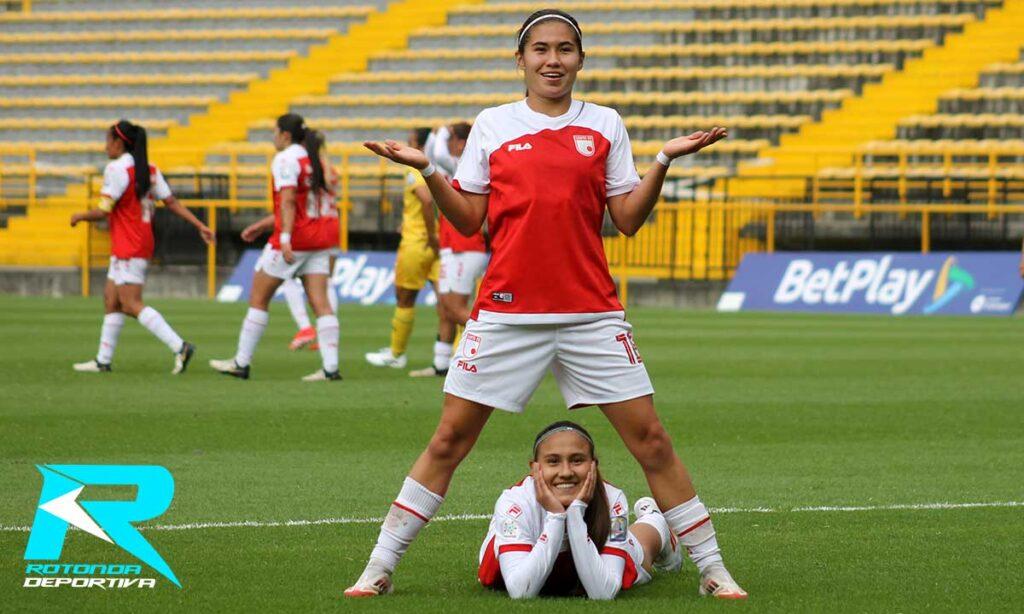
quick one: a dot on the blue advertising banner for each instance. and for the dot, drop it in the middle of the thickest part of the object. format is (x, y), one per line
(364, 278)
(965, 283)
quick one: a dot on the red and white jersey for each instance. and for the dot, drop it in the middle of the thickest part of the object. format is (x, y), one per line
(549, 179)
(452, 239)
(131, 219)
(518, 526)
(312, 229)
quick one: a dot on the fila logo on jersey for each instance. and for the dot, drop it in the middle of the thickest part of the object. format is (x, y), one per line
(515, 511)
(585, 144)
(520, 147)
(617, 508)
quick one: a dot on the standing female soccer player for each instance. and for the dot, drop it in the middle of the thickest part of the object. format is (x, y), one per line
(563, 530)
(305, 229)
(416, 262)
(127, 198)
(543, 171)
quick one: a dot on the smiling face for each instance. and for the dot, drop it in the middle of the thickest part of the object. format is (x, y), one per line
(550, 59)
(564, 460)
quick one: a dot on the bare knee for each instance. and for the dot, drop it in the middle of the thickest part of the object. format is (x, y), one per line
(652, 447)
(448, 446)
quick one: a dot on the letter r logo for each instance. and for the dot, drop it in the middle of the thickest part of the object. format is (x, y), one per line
(110, 521)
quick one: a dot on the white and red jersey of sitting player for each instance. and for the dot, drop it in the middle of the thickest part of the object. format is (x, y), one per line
(563, 530)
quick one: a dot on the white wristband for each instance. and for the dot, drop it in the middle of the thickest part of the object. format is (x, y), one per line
(285, 238)
(663, 159)
(427, 172)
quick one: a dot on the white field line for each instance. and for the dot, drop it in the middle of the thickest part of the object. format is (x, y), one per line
(469, 517)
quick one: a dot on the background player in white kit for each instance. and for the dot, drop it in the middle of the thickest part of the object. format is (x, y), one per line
(563, 530)
(543, 171)
(305, 229)
(128, 199)
(463, 259)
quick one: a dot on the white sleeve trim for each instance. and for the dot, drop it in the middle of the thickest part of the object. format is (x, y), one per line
(625, 188)
(601, 576)
(525, 573)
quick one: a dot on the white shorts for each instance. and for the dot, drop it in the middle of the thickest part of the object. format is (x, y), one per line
(635, 552)
(271, 262)
(460, 270)
(501, 365)
(127, 270)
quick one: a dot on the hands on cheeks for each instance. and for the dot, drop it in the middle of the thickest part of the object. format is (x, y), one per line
(587, 491)
(545, 495)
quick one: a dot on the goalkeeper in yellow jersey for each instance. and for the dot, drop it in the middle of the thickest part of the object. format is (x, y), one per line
(417, 261)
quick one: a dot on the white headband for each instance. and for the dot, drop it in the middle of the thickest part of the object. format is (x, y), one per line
(544, 17)
(561, 429)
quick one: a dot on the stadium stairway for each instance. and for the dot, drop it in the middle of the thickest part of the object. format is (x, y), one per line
(877, 112)
(43, 238)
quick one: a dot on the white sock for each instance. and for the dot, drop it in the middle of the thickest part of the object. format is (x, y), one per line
(442, 355)
(657, 521)
(327, 338)
(691, 523)
(332, 297)
(296, 299)
(253, 325)
(410, 512)
(156, 324)
(112, 323)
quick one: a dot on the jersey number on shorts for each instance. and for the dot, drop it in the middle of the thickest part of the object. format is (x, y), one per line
(626, 339)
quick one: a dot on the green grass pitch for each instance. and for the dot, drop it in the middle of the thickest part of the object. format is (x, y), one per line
(768, 411)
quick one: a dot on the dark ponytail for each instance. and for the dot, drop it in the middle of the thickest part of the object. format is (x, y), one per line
(134, 138)
(313, 143)
(597, 516)
(422, 134)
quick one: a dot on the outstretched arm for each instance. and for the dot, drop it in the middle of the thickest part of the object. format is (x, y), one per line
(466, 211)
(629, 211)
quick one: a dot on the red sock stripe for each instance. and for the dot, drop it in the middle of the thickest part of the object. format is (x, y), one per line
(706, 519)
(411, 511)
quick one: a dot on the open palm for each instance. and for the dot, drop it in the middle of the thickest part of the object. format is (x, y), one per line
(683, 145)
(397, 152)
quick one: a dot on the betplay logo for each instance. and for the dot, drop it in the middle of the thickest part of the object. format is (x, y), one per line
(111, 521)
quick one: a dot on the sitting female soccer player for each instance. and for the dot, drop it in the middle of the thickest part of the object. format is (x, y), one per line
(563, 530)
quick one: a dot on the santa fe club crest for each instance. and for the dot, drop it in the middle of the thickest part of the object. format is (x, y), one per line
(585, 144)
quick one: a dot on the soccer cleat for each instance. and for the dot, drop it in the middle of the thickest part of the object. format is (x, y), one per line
(302, 338)
(229, 367)
(428, 372)
(322, 376)
(717, 582)
(374, 582)
(91, 366)
(669, 559)
(183, 357)
(384, 358)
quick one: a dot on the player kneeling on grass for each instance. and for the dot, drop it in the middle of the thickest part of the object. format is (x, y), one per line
(127, 199)
(562, 531)
(305, 229)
